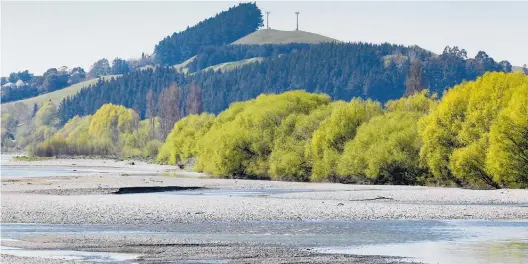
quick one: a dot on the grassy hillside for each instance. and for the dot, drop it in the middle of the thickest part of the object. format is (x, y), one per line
(272, 36)
(229, 66)
(182, 67)
(58, 95)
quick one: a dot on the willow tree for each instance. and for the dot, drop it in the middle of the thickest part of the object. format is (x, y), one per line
(507, 157)
(456, 134)
(386, 148)
(328, 141)
(241, 140)
(182, 142)
(111, 120)
(290, 159)
(112, 130)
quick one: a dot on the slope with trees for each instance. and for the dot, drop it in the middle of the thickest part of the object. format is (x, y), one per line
(214, 55)
(21, 85)
(224, 28)
(342, 70)
(130, 90)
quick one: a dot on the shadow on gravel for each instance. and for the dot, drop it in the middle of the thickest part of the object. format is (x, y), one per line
(153, 189)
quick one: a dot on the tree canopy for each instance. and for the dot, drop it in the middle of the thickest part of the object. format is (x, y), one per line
(475, 128)
(112, 130)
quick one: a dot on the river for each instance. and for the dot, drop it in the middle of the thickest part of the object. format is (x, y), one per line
(429, 241)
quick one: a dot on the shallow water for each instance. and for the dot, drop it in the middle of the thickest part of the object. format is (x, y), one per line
(291, 233)
(15, 172)
(460, 241)
(20, 171)
(476, 242)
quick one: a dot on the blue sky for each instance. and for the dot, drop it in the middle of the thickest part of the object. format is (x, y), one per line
(40, 35)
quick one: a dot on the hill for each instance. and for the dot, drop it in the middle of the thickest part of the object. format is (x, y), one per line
(57, 96)
(224, 28)
(272, 36)
(218, 55)
(232, 65)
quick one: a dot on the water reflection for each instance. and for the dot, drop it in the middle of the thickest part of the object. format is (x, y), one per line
(482, 242)
(511, 252)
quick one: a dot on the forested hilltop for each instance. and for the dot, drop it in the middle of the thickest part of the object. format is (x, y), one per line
(341, 70)
(473, 136)
(226, 27)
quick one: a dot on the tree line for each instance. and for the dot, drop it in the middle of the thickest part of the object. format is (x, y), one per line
(130, 90)
(342, 70)
(213, 55)
(112, 130)
(22, 85)
(474, 136)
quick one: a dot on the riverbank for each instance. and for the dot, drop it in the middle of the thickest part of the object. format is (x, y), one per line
(92, 199)
(89, 166)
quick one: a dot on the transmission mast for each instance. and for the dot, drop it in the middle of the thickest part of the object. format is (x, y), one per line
(267, 19)
(297, 13)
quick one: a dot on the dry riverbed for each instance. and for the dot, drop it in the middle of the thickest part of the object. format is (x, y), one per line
(108, 192)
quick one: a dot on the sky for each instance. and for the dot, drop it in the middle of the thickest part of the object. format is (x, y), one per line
(41, 35)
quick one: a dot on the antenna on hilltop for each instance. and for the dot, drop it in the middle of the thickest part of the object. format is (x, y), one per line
(267, 19)
(297, 13)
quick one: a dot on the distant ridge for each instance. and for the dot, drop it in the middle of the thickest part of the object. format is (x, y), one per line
(517, 69)
(272, 36)
(57, 96)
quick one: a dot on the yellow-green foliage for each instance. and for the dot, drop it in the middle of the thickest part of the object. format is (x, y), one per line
(181, 143)
(507, 158)
(289, 158)
(42, 126)
(328, 141)
(142, 141)
(112, 130)
(386, 150)
(46, 115)
(241, 139)
(110, 120)
(420, 102)
(74, 134)
(456, 134)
